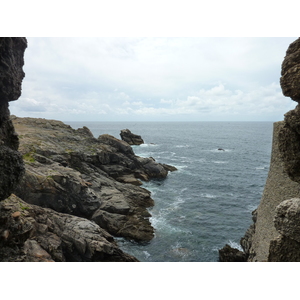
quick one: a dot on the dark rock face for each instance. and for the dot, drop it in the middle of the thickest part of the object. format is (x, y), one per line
(290, 72)
(130, 138)
(72, 177)
(289, 136)
(274, 235)
(11, 75)
(72, 172)
(11, 63)
(29, 232)
(34, 234)
(229, 254)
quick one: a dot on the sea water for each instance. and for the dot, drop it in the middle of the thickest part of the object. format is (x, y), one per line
(208, 201)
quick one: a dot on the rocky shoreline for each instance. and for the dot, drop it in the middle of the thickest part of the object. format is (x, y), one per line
(71, 172)
(64, 194)
(274, 234)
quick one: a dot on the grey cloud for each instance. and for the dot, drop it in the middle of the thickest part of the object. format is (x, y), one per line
(86, 78)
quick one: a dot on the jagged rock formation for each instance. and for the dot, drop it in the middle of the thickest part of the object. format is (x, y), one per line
(72, 172)
(229, 254)
(290, 72)
(70, 180)
(131, 138)
(38, 234)
(278, 188)
(11, 75)
(286, 246)
(274, 235)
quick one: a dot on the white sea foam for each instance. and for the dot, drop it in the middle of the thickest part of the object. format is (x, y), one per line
(219, 162)
(251, 208)
(180, 168)
(206, 195)
(147, 254)
(148, 145)
(260, 168)
(235, 245)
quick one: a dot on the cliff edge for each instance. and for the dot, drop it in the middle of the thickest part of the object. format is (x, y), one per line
(63, 193)
(274, 235)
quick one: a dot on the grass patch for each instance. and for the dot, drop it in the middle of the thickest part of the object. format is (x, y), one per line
(23, 207)
(28, 157)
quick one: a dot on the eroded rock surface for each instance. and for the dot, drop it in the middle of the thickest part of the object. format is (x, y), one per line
(274, 236)
(290, 72)
(286, 246)
(11, 75)
(131, 138)
(35, 234)
(72, 172)
(229, 254)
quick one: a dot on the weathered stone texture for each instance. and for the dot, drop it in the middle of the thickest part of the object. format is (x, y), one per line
(35, 234)
(131, 138)
(72, 172)
(290, 72)
(287, 218)
(229, 254)
(11, 63)
(11, 75)
(279, 187)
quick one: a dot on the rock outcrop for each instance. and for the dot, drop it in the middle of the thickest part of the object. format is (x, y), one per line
(286, 246)
(275, 233)
(279, 187)
(11, 75)
(131, 138)
(72, 177)
(229, 254)
(36, 234)
(72, 172)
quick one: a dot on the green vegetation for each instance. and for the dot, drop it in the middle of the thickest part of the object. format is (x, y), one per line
(23, 207)
(28, 157)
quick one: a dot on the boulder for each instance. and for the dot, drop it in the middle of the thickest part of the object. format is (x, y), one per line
(287, 216)
(229, 254)
(289, 136)
(290, 72)
(131, 138)
(286, 246)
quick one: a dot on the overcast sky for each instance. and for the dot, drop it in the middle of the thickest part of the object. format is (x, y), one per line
(154, 79)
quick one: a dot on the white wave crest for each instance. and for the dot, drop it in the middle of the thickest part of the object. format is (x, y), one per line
(206, 195)
(235, 245)
(148, 145)
(260, 168)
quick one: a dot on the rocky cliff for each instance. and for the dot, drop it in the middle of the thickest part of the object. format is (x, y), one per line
(11, 76)
(72, 172)
(274, 234)
(71, 192)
